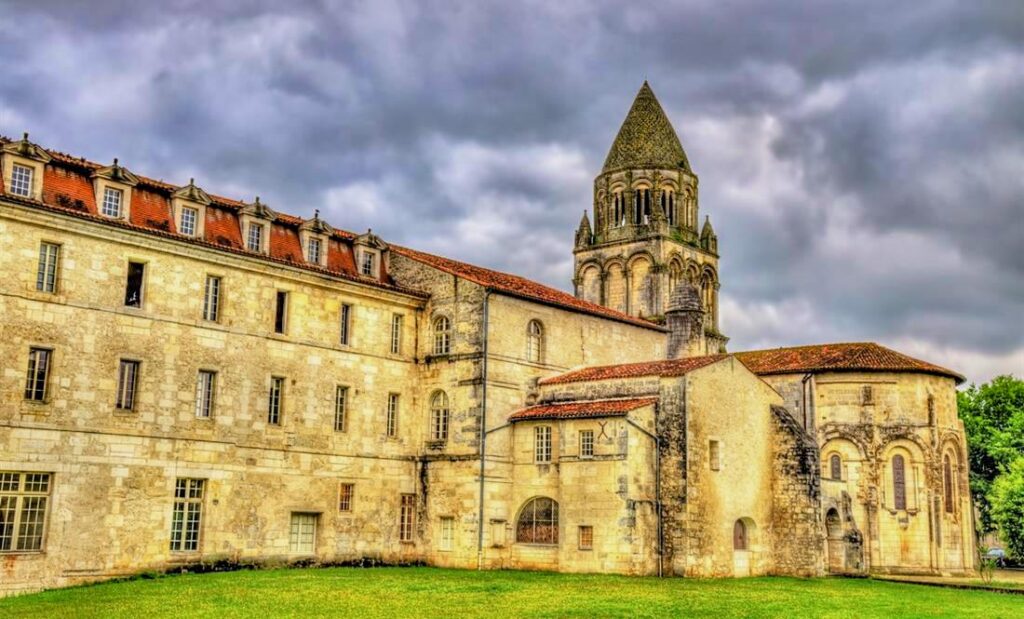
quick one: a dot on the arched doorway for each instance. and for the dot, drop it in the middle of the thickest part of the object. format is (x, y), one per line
(743, 533)
(836, 550)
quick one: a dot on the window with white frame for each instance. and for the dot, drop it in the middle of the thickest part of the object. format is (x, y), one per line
(586, 443)
(442, 335)
(275, 401)
(439, 416)
(205, 388)
(396, 334)
(340, 408)
(127, 382)
(254, 239)
(302, 534)
(211, 299)
(542, 444)
(534, 341)
(187, 516)
(113, 199)
(24, 505)
(447, 533)
(346, 324)
(189, 221)
(314, 250)
(407, 517)
(46, 274)
(21, 180)
(368, 263)
(392, 415)
(38, 378)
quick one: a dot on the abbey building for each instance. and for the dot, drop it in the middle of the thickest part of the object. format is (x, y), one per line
(189, 378)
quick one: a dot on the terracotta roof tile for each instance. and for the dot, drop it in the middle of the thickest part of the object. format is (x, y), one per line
(151, 210)
(516, 286)
(581, 409)
(666, 367)
(846, 357)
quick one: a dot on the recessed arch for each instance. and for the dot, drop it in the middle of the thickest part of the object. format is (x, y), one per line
(537, 522)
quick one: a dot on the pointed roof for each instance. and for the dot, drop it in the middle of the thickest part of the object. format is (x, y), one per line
(707, 230)
(646, 138)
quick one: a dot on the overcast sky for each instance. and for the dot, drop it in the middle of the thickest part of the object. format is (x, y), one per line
(862, 162)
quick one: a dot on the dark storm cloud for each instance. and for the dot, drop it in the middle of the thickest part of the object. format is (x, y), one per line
(862, 162)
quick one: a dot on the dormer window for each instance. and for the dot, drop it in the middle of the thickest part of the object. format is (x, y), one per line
(21, 180)
(23, 164)
(368, 265)
(371, 255)
(189, 208)
(113, 186)
(112, 200)
(254, 241)
(189, 217)
(314, 250)
(256, 219)
(314, 235)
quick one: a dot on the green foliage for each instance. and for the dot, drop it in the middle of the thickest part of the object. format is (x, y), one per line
(993, 415)
(1007, 502)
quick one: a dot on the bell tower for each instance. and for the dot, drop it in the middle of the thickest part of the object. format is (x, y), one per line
(642, 240)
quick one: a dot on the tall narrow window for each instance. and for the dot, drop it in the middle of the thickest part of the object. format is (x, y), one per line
(367, 264)
(302, 534)
(38, 374)
(439, 416)
(534, 342)
(586, 537)
(127, 381)
(586, 443)
(276, 400)
(740, 541)
(392, 415)
(340, 409)
(189, 220)
(947, 483)
(835, 464)
(867, 395)
(133, 284)
(447, 533)
(442, 335)
(211, 299)
(205, 387)
(254, 240)
(46, 275)
(112, 200)
(346, 324)
(314, 250)
(21, 181)
(714, 455)
(281, 312)
(899, 482)
(396, 334)
(24, 503)
(346, 492)
(406, 517)
(186, 521)
(542, 444)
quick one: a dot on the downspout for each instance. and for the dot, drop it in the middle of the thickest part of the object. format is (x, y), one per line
(803, 404)
(483, 438)
(657, 492)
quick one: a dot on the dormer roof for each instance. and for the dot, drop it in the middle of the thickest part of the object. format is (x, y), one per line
(259, 210)
(316, 225)
(117, 173)
(369, 239)
(192, 193)
(24, 148)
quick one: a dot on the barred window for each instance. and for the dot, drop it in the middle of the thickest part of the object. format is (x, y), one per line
(534, 342)
(439, 416)
(396, 334)
(447, 533)
(127, 381)
(21, 180)
(392, 415)
(586, 443)
(211, 299)
(38, 374)
(542, 444)
(24, 505)
(302, 535)
(276, 397)
(586, 537)
(112, 199)
(442, 335)
(346, 324)
(345, 493)
(899, 482)
(46, 275)
(538, 522)
(406, 517)
(835, 464)
(189, 219)
(341, 409)
(254, 240)
(186, 519)
(205, 388)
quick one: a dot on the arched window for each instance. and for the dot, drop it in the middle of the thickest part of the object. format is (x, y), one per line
(641, 206)
(899, 482)
(439, 416)
(618, 209)
(739, 536)
(442, 335)
(538, 522)
(835, 467)
(534, 341)
(947, 483)
(675, 275)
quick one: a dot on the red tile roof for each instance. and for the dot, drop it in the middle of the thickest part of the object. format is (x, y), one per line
(853, 357)
(668, 367)
(581, 409)
(516, 286)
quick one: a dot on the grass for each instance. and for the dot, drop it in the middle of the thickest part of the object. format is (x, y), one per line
(432, 592)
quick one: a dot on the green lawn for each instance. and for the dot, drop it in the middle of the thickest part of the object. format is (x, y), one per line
(430, 592)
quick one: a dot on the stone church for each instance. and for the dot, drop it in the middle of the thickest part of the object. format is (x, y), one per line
(188, 378)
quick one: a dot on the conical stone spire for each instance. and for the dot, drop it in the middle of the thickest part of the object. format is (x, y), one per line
(646, 138)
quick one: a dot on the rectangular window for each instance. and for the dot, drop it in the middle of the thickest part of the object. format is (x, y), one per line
(586, 537)
(392, 419)
(367, 263)
(447, 533)
(396, 334)
(38, 374)
(127, 381)
(345, 494)
(346, 323)
(714, 455)
(205, 387)
(46, 276)
(302, 536)
(406, 517)
(586, 443)
(340, 409)
(276, 397)
(281, 312)
(187, 517)
(112, 199)
(211, 299)
(314, 250)
(867, 395)
(189, 219)
(24, 500)
(134, 283)
(21, 181)
(254, 240)
(542, 443)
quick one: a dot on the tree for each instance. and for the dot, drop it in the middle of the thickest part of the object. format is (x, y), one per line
(993, 415)
(1007, 503)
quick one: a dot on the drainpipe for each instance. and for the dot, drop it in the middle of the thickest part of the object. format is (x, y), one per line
(657, 492)
(803, 403)
(483, 438)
